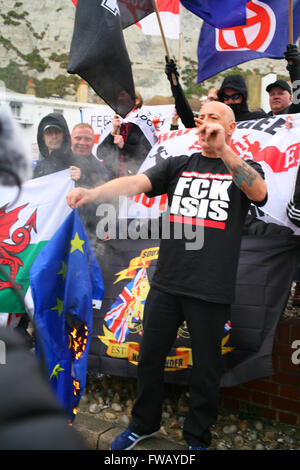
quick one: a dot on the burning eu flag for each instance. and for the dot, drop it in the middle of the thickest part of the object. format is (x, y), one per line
(65, 281)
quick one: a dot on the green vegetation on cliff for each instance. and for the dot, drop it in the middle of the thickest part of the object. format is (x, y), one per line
(16, 79)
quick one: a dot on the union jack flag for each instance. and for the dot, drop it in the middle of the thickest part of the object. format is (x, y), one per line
(122, 309)
(227, 326)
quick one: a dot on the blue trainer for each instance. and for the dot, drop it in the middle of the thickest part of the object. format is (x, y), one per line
(197, 448)
(128, 439)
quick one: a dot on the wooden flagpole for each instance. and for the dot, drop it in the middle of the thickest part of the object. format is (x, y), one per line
(161, 29)
(179, 52)
(163, 39)
(291, 38)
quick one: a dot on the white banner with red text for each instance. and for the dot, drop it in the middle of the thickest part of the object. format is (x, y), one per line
(266, 141)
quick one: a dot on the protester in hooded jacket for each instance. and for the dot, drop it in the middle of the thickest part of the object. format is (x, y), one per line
(234, 93)
(54, 142)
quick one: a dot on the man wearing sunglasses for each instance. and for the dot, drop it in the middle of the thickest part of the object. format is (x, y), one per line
(234, 93)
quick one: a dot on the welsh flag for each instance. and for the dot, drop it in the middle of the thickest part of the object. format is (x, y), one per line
(25, 228)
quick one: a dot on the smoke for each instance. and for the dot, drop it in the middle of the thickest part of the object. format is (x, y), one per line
(15, 159)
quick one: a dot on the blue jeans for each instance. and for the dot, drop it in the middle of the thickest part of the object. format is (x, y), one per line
(163, 314)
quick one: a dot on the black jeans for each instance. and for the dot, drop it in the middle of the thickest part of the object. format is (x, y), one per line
(163, 314)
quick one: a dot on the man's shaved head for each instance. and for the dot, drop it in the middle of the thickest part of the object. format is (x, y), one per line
(215, 112)
(220, 108)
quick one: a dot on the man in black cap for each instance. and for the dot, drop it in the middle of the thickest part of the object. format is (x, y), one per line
(53, 136)
(54, 142)
(282, 98)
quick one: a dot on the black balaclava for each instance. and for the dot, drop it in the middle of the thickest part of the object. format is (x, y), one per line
(237, 83)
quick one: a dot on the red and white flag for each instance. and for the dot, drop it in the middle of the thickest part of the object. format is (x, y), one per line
(169, 17)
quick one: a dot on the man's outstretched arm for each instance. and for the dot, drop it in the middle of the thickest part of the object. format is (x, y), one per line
(125, 186)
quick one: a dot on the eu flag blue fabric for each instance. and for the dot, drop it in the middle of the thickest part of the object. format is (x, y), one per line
(229, 13)
(65, 281)
(266, 34)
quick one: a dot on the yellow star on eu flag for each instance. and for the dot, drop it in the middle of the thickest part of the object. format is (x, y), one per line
(63, 270)
(76, 244)
(59, 306)
(57, 369)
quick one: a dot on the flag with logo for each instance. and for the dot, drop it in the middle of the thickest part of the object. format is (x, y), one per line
(230, 13)
(66, 281)
(140, 119)
(100, 118)
(170, 20)
(98, 51)
(25, 228)
(265, 34)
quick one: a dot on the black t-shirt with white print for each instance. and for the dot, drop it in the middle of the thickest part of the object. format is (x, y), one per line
(202, 197)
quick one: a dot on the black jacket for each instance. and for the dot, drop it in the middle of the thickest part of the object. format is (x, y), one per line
(291, 109)
(241, 110)
(59, 159)
(182, 105)
(135, 150)
(93, 171)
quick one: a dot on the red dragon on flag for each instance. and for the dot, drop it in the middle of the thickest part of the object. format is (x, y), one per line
(20, 239)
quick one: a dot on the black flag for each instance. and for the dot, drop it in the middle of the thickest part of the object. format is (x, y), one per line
(98, 52)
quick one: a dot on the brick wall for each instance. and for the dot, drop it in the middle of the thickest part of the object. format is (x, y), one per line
(276, 397)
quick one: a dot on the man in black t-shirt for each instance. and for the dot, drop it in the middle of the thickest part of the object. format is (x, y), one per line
(211, 190)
